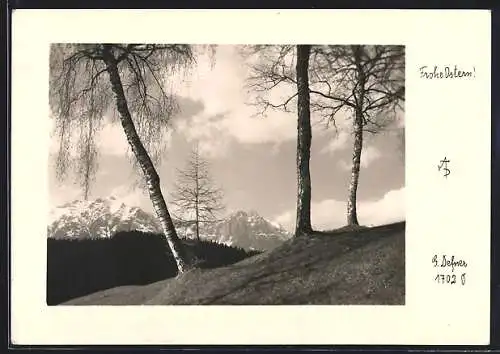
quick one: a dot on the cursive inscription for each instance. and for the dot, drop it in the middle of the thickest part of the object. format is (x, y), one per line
(446, 72)
(445, 261)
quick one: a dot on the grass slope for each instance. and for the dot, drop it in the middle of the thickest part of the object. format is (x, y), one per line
(79, 267)
(362, 267)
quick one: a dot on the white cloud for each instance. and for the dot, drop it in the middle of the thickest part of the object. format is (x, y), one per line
(275, 127)
(400, 120)
(340, 137)
(134, 197)
(343, 140)
(61, 194)
(215, 132)
(131, 196)
(218, 87)
(213, 148)
(111, 140)
(337, 142)
(330, 214)
(368, 155)
(207, 131)
(245, 127)
(227, 116)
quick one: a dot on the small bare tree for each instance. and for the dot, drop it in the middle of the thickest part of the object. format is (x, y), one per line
(88, 79)
(196, 198)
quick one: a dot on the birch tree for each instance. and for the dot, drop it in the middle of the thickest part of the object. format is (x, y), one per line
(195, 196)
(366, 82)
(89, 80)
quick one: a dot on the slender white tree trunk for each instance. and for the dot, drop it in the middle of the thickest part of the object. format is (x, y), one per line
(150, 174)
(358, 124)
(352, 215)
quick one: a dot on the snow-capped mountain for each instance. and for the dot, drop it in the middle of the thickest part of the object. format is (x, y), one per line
(98, 218)
(243, 229)
(104, 217)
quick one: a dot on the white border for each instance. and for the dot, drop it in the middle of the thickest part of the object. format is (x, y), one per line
(442, 117)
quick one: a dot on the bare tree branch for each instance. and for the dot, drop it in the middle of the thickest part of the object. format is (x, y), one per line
(78, 92)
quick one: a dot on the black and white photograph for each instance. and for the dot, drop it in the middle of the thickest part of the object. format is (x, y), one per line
(271, 177)
(199, 174)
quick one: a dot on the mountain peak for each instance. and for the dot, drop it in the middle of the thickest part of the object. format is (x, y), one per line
(248, 229)
(245, 213)
(98, 218)
(103, 217)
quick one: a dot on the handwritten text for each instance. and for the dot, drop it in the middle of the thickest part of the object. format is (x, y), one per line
(446, 72)
(445, 261)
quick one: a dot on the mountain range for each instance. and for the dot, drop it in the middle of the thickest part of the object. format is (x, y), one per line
(102, 218)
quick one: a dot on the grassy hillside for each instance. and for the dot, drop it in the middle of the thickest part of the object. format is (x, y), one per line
(365, 266)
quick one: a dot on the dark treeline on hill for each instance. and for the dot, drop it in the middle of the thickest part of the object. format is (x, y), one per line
(77, 267)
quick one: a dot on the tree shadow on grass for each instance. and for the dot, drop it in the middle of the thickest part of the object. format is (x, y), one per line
(297, 273)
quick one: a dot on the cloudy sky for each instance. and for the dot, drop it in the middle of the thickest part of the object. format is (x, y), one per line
(252, 157)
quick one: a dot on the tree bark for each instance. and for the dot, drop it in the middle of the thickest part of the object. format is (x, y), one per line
(304, 137)
(152, 178)
(197, 201)
(352, 214)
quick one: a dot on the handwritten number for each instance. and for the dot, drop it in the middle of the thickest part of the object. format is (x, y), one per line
(449, 264)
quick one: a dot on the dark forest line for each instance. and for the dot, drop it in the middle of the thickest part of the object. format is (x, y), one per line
(77, 267)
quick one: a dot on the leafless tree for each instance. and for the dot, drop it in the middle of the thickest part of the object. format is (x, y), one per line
(86, 80)
(304, 137)
(362, 82)
(195, 196)
(367, 82)
(276, 66)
